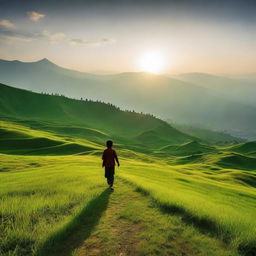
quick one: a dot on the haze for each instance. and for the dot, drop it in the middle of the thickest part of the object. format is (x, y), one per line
(109, 36)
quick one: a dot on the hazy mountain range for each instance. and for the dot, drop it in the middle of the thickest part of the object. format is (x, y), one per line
(216, 102)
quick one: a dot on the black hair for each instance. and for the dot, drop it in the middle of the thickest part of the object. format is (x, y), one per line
(109, 143)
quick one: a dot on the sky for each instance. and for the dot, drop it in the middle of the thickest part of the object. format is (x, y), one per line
(115, 36)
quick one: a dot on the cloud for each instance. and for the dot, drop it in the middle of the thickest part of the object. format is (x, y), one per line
(53, 37)
(28, 37)
(6, 24)
(103, 41)
(35, 16)
(16, 36)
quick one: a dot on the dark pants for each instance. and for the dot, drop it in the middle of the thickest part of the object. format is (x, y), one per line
(109, 174)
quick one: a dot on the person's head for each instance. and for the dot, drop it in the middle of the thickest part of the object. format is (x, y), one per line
(109, 144)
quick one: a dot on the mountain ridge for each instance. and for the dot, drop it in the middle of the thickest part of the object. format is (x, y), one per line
(183, 102)
(20, 104)
(46, 60)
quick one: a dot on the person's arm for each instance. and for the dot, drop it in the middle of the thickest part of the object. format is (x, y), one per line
(116, 158)
(103, 159)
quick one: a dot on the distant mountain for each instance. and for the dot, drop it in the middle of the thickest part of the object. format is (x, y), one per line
(249, 77)
(186, 99)
(238, 88)
(90, 120)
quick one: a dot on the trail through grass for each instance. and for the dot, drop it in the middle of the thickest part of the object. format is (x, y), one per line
(46, 200)
(217, 205)
(133, 225)
(44, 196)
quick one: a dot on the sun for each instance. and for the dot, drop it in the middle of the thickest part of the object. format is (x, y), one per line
(152, 62)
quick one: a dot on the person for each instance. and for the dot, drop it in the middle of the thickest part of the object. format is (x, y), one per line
(109, 157)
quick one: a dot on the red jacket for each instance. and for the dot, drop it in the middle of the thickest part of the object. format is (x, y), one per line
(109, 156)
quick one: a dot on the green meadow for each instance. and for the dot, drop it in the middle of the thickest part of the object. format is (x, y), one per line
(176, 194)
(40, 195)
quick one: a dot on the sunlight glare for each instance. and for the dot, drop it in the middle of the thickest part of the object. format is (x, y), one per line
(152, 62)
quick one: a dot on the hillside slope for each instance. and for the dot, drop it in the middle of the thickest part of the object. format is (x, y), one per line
(189, 148)
(211, 136)
(52, 181)
(193, 101)
(87, 118)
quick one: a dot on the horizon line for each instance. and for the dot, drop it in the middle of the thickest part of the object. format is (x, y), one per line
(106, 73)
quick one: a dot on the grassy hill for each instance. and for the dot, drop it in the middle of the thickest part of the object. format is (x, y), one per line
(244, 148)
(212, 137)
(52, 184)
(189, 148)
(175, 195)
(237, 161)
(190, 99)
(17, 139)
(86, 119)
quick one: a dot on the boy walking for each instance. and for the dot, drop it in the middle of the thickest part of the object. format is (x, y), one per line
(109, 158)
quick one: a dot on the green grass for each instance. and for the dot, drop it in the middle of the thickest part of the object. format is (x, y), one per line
(40, 196)
(52, 181)
(86, 117)
(44, 200)
(213, 137)
(210, 199)
(186, 149)
(243, 148)
(148, 230)
(20, 139)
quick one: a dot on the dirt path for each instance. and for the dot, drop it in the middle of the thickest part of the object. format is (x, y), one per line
(132, 225)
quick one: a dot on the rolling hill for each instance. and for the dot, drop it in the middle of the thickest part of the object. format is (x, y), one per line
(52, 182)
(211, 136)
(244, 148)
(94, 121)
(190, 148)
(210, 102)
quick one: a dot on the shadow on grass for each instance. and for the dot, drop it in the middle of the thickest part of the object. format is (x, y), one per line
(203, 224)
(63, 242)
(209, 227)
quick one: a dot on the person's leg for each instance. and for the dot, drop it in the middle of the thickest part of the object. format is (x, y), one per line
(107, 175)
(111, 180)
(112, 176)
